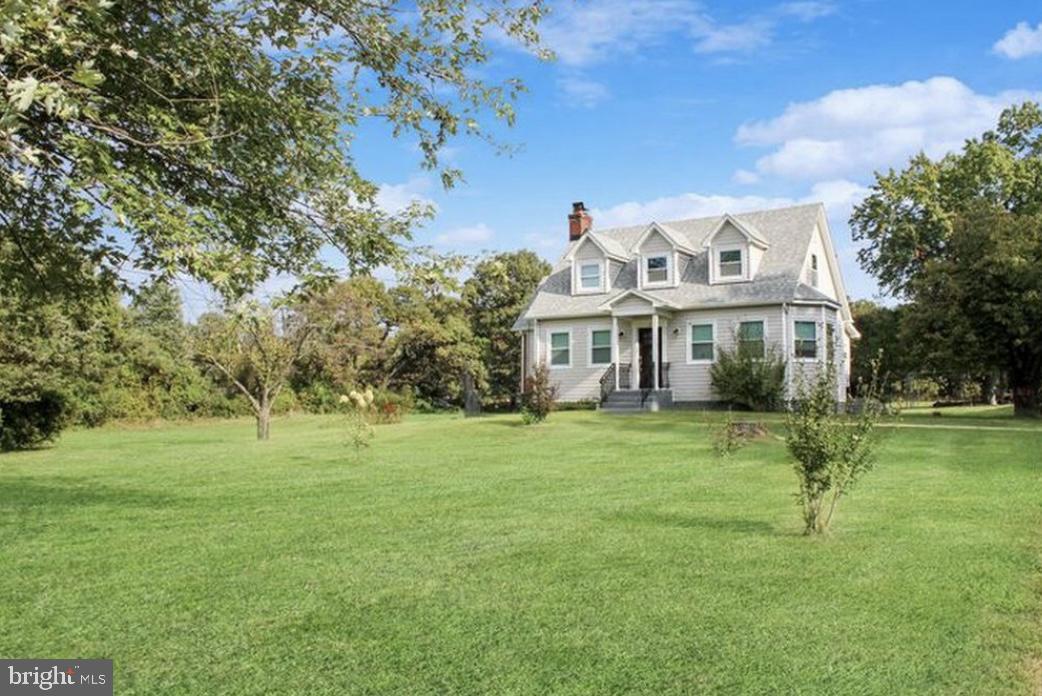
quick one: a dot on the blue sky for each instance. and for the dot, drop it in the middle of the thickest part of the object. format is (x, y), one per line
(665, 109)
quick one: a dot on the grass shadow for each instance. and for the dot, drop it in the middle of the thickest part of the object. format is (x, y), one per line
(25, 493)
(722, 524)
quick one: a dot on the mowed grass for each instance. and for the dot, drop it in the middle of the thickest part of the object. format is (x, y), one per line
(591, 554)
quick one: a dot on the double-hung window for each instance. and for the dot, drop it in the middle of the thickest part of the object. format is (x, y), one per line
(656, 269)
(751, 338)
(806, 336)
(590, 276)
(730, 263)
(702, 343)
(600, 347)
(560, 349)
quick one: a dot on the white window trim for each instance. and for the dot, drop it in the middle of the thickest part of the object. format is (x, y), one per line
(817, 339)
(589, 346)
(715, 263)
(670, 270)
(747, 320)
(687, 340)
(550, 349)
(577, 276)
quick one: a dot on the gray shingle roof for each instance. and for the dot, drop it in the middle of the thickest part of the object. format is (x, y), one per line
(787, 231)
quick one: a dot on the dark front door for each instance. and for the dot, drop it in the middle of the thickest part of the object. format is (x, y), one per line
(644, 340)
(647, 379)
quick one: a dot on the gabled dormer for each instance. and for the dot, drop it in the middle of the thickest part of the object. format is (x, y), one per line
(591, 256)
(659, 252)
(734, 250)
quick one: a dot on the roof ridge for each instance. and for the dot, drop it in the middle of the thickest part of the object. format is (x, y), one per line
(703, 218)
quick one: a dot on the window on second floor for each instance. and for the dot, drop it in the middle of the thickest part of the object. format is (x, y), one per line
(590, 276)
(814, 270)
(731, 264)
(656, 269)
(751, 338)
(806, 340)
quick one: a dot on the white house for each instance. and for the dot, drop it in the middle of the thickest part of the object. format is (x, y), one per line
(645, 310)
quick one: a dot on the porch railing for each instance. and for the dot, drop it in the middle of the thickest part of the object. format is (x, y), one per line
(608, 379)
(607, 382)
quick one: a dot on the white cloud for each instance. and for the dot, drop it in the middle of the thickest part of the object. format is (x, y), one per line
(589, 32)
(462, 236)
(733, 38)
(1020, 41)
(807, 11)
(851, 132)
(586, 33)
(581, 91)
(394, 198)
(744, 176)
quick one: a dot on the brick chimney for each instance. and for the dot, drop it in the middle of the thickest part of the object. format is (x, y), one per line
(579, 221)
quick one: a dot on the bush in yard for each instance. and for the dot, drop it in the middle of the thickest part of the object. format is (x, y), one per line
(360, 413)
(832, 449)
(539, 398)
(752, 380)
(25, 424)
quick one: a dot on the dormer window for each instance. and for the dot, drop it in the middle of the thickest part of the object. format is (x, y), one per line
(590, 276)
(656, 269)
(731, 265)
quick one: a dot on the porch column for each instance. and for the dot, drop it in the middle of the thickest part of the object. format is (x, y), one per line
(615, 348)
(634, 357)
(535, 343)
(524, 365)
(654, 351)
(665, 340)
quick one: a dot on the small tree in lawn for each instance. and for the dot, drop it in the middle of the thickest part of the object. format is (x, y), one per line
(832, 450)
(540, 396)
(254, 348)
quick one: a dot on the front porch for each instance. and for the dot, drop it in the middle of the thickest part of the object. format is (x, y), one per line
(638, 378)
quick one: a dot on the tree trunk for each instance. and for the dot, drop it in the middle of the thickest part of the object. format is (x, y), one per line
(1025, 380)
(264, 420)
(471, 399)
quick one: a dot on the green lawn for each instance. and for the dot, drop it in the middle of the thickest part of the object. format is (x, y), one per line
(593, 554)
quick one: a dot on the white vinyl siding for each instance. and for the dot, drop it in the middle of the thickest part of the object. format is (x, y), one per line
(692, 381)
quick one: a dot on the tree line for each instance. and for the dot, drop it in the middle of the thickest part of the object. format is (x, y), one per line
(415, 342)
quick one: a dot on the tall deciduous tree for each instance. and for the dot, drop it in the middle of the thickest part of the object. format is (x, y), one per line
(254, 348)
(496, 294)
(213, 138)
(957, 238)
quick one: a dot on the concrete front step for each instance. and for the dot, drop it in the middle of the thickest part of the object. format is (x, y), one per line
(630, 401)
